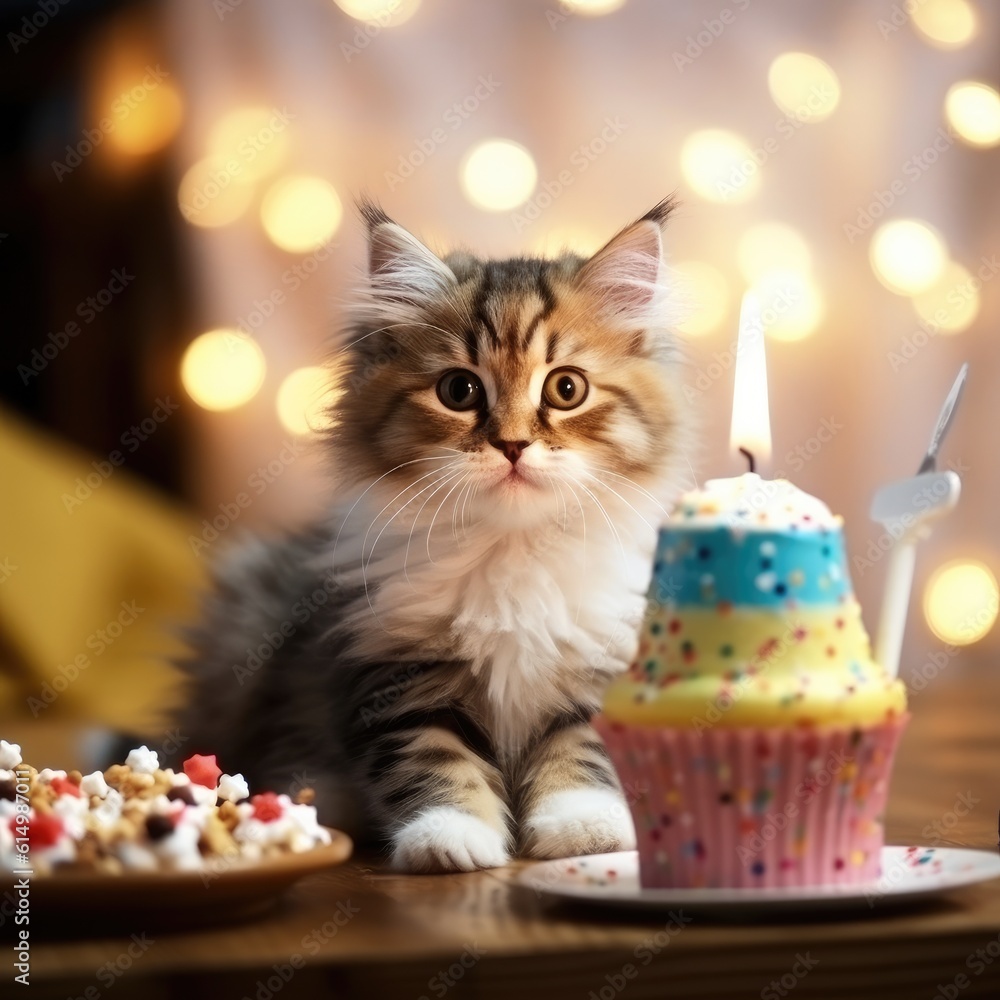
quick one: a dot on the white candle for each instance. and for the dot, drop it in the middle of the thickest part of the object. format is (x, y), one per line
(751, 425)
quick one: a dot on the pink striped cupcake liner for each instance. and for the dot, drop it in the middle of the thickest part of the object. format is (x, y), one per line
(755, 808)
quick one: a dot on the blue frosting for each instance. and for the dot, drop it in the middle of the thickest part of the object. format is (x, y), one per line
(703, 566)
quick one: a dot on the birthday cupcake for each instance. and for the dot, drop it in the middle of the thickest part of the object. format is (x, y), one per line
(754, 734)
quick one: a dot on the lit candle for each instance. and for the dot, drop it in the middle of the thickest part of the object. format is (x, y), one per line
(750, 431)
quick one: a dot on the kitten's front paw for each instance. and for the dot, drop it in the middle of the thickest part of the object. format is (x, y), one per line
(445, 839)
(579, 821)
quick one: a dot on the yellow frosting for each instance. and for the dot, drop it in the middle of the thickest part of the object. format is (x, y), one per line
(754, 667)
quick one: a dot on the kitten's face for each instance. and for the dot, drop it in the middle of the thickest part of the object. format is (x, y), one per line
(522, 384)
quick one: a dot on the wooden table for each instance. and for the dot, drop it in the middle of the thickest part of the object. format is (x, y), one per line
(476, 935)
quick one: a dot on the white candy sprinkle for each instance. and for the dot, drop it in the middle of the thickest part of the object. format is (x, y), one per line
(142, 760)
(233, 787)
(767, 548)
(766, 581)
(10, 754)
(46, 774)
(94, 784)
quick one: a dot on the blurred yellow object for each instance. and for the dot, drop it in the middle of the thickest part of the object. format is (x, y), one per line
(96, 573)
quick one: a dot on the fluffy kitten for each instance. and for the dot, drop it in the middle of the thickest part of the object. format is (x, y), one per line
(506, 437)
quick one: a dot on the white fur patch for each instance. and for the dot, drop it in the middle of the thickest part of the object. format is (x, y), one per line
(579, 821)
(445, 839)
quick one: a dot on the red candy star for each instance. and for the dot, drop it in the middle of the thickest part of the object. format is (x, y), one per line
(266, 807)
(64, 786)
(44, 829)
(202, 770)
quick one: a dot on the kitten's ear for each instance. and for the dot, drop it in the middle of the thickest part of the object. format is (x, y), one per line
(624, 275)
(400, 267)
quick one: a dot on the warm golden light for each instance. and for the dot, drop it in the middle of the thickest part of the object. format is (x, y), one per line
(255, 139)
(145, 118)
(973, 111)
(803, 86)
(556, 241)
(907, 256)
(592, 8)
(720, 166)
(704, 295)
(209, 195)
(300, 214)
(946, 24)
(951, 304)
(791, 305)
(303, 400)
(771, 246)
(751, 424)
(960, 602)
(386, 13)
(498, 175)
(223, 369)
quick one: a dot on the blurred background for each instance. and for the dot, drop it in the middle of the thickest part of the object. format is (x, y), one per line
(178, 242)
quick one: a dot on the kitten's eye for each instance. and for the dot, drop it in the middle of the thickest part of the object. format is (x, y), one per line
(459, 389)
(565, 389)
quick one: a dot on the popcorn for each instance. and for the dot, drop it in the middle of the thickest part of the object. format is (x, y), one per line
(233, 788)
(10, 755)
(140, 817)
(142, 760)
(94, 784)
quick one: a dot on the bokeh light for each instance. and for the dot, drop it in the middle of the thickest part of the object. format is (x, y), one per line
(960, 602)
(386, 13)
(556, 241)
(771, 246)
(907, 256)
(719, 165)
(592, 8)
(498, 175)
(946, 24)
(703, 293)
(209, 195)
(791, 305)
(256, 138)
(223, 369)
(951, 304)
(145, 117)
(304, 398)
(301, 213)
(803, 86)
(973, 111)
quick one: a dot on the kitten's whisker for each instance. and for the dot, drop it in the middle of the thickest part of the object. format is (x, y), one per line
(632, 484)
(371, 486)
(393, 326)
(607, 518)
(446, 470)
(583, 543)
(434, 518)
(620, 497)
(416, 519)
(459, 500)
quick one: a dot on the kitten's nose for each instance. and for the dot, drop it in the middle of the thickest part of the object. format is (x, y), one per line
(511, 449)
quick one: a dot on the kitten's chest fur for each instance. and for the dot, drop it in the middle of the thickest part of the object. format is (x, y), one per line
(539, 620)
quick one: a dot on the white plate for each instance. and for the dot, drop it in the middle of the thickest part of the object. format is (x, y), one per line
(909, 874)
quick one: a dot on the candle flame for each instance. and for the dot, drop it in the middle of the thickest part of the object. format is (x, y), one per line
(751, 425)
